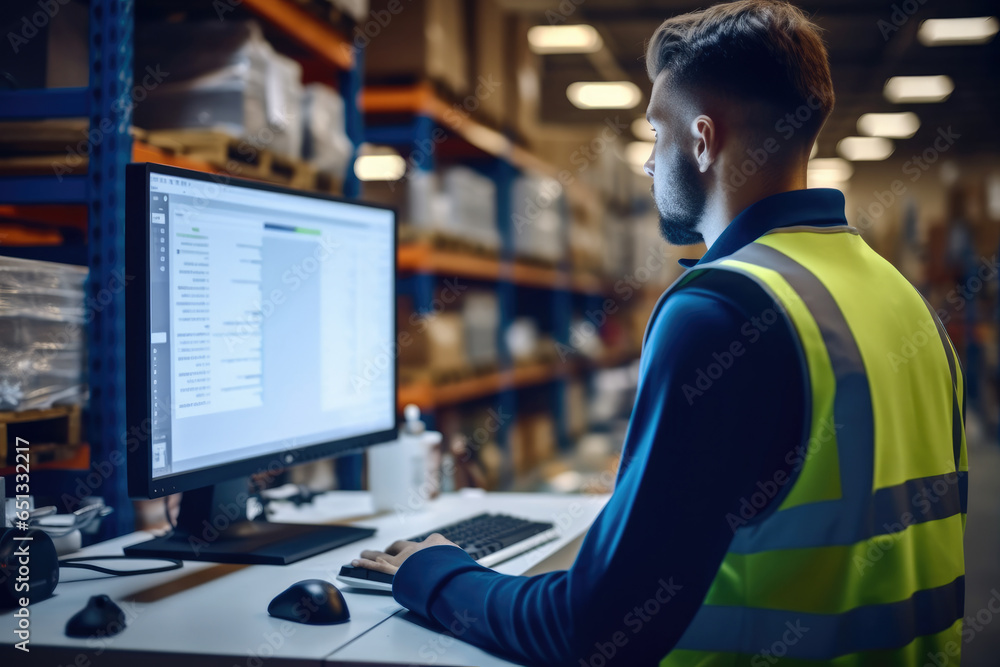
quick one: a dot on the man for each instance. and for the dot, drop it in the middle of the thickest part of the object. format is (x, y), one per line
(793, 481)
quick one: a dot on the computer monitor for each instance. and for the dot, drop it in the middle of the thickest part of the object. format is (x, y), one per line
(260, 329)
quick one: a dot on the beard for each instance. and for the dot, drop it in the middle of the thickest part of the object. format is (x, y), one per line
(682, 205)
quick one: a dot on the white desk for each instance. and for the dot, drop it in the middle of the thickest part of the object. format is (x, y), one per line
(223, 621)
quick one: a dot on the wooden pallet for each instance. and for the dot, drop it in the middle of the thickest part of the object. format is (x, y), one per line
(438, 377)
(48, 147)
(446, 241)
(60, 424)
(235, 156)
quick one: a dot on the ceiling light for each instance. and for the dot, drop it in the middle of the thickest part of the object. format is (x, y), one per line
(828, 172)
(637, 153)
(857, 149)
(379, 167)
(604, 94)
(893, 125)
(902, 89)
(564, 39)
(643, 130)
(949, 32)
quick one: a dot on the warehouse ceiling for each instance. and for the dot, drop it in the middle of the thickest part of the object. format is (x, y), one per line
(866, 48)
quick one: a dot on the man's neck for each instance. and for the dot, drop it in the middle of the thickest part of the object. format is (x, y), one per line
(723, 206)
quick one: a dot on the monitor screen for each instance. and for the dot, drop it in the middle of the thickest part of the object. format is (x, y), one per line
(270, 315)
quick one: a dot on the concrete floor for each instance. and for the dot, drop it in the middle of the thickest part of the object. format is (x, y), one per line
(982, 548)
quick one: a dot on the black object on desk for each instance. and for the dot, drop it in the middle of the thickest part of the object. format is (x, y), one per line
(312, 601)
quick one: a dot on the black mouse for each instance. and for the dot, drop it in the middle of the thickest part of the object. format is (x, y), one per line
(100, 618)
(312, 601)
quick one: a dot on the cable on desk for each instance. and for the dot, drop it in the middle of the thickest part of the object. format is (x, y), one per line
(82, 564)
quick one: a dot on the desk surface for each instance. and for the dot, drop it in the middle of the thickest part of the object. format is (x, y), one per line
(209, 614)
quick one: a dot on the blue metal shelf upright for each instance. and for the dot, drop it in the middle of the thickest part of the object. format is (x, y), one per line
(417, 132)
(107, 102)
(102, 190)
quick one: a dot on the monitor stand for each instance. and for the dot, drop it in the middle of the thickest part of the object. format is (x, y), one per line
(213, 526)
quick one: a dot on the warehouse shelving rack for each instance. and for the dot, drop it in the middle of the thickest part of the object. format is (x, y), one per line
(105, 102)
(416, 112)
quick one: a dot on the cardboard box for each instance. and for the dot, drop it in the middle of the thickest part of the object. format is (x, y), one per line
(413, 41)
(491, 63)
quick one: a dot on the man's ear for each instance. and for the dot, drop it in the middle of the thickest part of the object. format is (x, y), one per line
(706, 141)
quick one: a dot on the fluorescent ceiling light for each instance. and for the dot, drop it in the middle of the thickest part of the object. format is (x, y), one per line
(828, 170)
(949, 32)
(379, 167)
(604, 94)
(637, 152)
(893, 125)
(858, 149)
(564, 39)
(902, 89)
(643, 130)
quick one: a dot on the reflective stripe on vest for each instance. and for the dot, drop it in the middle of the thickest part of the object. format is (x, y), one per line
(862, 560)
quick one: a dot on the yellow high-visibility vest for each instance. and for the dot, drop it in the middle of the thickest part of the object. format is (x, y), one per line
(861, 561)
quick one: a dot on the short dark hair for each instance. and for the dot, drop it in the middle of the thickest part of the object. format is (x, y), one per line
(764, 51)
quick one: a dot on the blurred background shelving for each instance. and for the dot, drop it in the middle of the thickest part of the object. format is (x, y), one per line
(529, 255)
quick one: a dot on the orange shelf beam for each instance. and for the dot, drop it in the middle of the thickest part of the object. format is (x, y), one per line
(538, 276)
(428, 396)
(423, 257)
(143, 152)
(317, 36)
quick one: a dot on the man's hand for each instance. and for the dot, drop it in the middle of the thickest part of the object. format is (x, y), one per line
(388, 561)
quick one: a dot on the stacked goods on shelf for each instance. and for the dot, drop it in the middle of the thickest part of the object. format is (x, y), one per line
(577, 420)
(491, 60)
(325, 144)
(539, 223)
(522, 340)
(481, 315)
(235, 83)
(42, 357)
(586, 235)
(429, 43)
(47, 49)
(471, 201)
(456, 208)
(356, 9)
(532, 441)
(617, 245)
(432, 346)
(41, 334)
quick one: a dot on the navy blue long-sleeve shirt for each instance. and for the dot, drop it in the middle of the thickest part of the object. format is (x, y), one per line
(718, 414)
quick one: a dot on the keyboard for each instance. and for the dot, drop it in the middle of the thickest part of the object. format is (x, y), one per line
(489, 538)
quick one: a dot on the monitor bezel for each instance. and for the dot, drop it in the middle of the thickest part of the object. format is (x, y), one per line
(138, 386)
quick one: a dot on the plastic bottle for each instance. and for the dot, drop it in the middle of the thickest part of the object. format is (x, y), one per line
(399, 474)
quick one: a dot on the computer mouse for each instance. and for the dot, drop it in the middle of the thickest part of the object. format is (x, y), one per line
(100, 618)
(312, 601)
